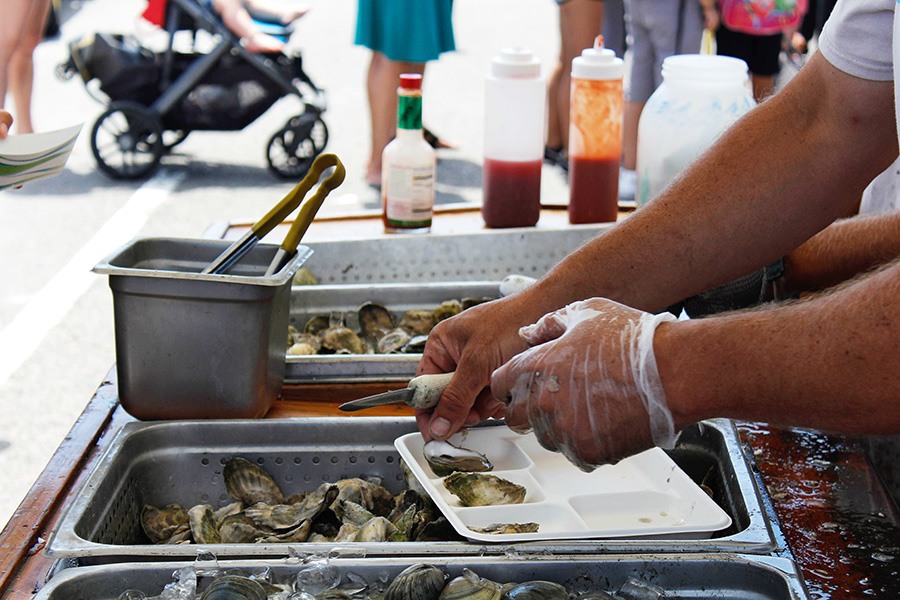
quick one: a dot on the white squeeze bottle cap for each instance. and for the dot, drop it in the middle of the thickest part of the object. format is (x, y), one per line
(515, 63)
(598, 63)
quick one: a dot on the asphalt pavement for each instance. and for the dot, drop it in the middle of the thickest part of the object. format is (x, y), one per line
(56, 323)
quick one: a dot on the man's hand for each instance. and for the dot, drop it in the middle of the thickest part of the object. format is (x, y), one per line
(6, 122)
(473, 343)
(589, 386)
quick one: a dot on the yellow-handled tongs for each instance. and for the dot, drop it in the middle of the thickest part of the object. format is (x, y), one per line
(279, 213)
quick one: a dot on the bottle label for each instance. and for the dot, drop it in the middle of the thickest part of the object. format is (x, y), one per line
(409, 112)
(409, 196)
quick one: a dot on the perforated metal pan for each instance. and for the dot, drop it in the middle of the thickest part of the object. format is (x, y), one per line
(488, 255)
(343, 301)
(164, 462)
(686, 576)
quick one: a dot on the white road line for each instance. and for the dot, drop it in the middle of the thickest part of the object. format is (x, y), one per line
(22, 336)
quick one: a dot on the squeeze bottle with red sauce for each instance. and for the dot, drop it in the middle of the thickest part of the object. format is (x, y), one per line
(595, 136)
(514, 113)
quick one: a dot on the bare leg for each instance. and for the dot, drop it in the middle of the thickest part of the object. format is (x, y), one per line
(17, 67)
(632, 116)
(763, 86)
(381, 83)
(579, 25)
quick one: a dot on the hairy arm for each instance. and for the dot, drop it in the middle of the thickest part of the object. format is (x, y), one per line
(829, 362)
(843, 250)
(782, 173)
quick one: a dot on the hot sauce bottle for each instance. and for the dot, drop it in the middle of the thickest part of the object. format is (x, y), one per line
(595, 136)
(515, 98)
(408, 164)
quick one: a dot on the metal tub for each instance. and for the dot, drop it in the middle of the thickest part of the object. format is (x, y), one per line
(191, 345)
(309, 301)
(159, 463)
(686, 576)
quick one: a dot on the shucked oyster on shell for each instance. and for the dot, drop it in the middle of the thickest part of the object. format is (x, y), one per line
(445, 458)
(481, 489)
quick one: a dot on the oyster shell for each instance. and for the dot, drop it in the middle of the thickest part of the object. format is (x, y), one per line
(418, 582)
(374, 319)
(392, 342)
(161, 523)
(506, 528)
(289, 516)
(481, 489)
(250, 483)
(370, 496)
(447, 309)
(304, 343)
(415, 345)
(340, 339)
(445, 458)
(203, 525)
(376, 529)
(317, 324)
(239, 529)
(417, 321)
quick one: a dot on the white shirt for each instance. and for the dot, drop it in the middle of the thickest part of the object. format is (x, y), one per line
(858, 38)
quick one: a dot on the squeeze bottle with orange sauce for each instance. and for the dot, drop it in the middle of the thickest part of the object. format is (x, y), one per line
(595, 136)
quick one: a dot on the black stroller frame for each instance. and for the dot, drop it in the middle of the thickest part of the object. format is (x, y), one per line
(158, 99)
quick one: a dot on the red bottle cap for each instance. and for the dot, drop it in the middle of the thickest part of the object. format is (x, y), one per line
(411, 81)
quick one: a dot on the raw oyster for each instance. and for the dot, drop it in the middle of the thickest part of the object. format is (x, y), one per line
(445, 458)
(234, 587)
(370, 496)
(288, 516)
(470, 586)
(536, 590)
(480, 489)
(506, 528)
(418, 582)
(161, 523)
(250, 483)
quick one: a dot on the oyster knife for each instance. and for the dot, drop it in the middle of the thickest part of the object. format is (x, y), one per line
(423, 391)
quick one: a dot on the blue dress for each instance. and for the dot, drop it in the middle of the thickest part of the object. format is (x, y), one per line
(406, 30)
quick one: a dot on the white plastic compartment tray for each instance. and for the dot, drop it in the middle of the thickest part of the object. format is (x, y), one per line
(646, 495)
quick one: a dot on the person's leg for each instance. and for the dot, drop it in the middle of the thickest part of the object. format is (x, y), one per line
(15, 13)
(381, 84)
(21, 63)
(579, 26)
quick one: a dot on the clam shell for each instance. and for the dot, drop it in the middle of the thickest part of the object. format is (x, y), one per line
(234, 587)
(418, 582)
(469, 586)
(536, 590)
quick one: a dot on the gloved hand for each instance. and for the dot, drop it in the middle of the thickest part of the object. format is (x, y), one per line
(589, 385)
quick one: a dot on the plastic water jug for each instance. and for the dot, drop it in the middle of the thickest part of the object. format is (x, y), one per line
(699, 98)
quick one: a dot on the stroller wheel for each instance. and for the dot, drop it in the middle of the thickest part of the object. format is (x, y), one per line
(127, 141)
(172, 138)
(292, 150)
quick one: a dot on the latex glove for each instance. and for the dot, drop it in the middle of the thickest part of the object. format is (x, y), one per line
(589, 385)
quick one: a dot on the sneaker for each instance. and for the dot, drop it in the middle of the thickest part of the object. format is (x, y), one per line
(627, 183)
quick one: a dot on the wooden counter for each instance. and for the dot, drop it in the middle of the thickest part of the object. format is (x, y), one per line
(836, 519)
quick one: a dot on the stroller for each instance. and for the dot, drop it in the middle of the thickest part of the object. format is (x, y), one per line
(154, 100)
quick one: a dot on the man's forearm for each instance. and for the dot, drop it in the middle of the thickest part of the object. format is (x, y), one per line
(769, 184)
(830, 362)
(843, 250)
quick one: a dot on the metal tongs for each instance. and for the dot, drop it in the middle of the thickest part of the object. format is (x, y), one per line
(424, 391)
(279, 213)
